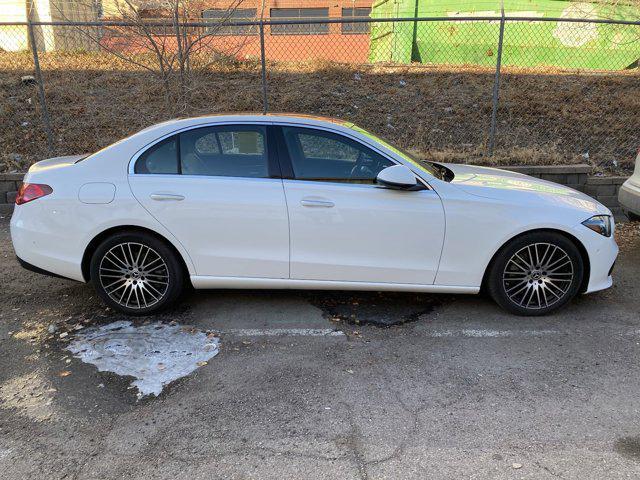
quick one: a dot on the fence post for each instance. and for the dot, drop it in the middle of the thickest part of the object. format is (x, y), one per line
(265, 102)
(496, 86)
(38, 74)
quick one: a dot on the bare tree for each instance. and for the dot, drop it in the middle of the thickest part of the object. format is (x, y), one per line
(159, 36)
(607, 9)
(616, 10)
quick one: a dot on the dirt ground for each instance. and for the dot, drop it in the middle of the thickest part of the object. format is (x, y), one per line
(409, 386)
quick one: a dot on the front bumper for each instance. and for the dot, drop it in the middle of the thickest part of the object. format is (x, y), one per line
(629, 198)
(602, 252)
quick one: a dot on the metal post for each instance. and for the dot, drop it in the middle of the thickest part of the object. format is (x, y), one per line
(38, 74)
(496, 87)
(265, 102)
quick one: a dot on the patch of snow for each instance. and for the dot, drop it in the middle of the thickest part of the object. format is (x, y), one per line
(155, 354)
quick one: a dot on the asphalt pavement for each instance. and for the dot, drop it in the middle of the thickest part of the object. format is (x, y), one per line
(326, 385)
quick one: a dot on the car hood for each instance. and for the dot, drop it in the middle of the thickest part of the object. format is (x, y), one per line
(519, 188)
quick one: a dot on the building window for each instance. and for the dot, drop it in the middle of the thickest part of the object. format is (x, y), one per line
(300, 14)
(359, 27)
(219, 17)
(152, 17)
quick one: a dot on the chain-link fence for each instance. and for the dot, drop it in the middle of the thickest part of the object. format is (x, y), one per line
(502, 90)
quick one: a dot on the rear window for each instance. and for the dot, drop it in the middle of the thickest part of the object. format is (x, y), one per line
(162, 158)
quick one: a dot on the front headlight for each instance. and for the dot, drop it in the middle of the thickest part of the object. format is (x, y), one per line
(600, 224)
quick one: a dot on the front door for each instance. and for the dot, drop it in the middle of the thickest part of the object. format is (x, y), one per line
(343, 226)
(217, 190)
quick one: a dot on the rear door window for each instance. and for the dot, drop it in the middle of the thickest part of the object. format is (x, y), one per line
(225, 151)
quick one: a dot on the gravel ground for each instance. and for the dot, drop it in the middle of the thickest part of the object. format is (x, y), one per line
(454, 388)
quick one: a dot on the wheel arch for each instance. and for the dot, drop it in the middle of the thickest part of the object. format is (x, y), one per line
(99, 238)
(581, 248)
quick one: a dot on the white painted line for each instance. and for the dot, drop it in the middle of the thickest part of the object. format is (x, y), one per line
(477, 333)
(282, 332)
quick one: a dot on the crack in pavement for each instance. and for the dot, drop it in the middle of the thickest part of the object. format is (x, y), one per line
(547, 469)
(399, 451)
(354, 444)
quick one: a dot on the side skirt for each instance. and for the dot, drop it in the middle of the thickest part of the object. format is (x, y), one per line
(202, 282)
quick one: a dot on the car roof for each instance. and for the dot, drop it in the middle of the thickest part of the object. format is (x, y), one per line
(302, 119)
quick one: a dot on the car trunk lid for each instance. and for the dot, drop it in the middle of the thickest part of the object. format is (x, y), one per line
(56, 162)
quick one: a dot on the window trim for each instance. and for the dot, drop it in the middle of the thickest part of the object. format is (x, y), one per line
(273, 165)
(280, 163)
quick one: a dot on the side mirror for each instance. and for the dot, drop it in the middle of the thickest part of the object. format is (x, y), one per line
(398, 177)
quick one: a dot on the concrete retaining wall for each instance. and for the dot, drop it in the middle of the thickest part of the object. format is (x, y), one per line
(9, 184)
(603, 189)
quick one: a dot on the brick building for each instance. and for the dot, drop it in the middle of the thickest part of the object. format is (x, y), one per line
(346, 42)
(341, 42)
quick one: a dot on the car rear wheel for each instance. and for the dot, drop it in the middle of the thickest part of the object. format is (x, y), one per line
(536, 274)
(136, 273)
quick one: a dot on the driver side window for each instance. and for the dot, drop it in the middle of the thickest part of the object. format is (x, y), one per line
(325, 156)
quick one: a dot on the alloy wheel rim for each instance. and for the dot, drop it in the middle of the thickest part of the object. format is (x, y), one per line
(134, 275)
(538, 276)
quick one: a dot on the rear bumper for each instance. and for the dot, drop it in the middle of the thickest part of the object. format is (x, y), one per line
(42, 249)
(629, 198)
(34, 269)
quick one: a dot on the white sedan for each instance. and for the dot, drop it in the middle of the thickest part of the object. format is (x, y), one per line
(283, 201)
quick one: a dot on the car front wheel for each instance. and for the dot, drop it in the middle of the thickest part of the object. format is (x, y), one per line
(536, 274)
(136, 273)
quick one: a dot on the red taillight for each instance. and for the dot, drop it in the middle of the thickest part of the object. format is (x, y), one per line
(32, 191)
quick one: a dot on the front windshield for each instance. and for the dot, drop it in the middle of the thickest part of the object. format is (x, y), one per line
(405, 155)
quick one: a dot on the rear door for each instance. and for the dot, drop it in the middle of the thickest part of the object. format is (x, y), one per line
(343, 226)
(218, 190)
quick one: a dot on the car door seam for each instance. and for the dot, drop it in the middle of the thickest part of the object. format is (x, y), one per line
(444, 233)
(286, 204)
(175, 239)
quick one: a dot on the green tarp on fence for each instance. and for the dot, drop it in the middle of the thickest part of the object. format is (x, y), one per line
(526, 43)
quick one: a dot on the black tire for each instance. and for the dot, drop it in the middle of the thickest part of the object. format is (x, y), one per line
(522, 281)
(151, 279)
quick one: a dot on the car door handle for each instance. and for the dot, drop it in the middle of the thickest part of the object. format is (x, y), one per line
(315, 202)
(164, 197)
